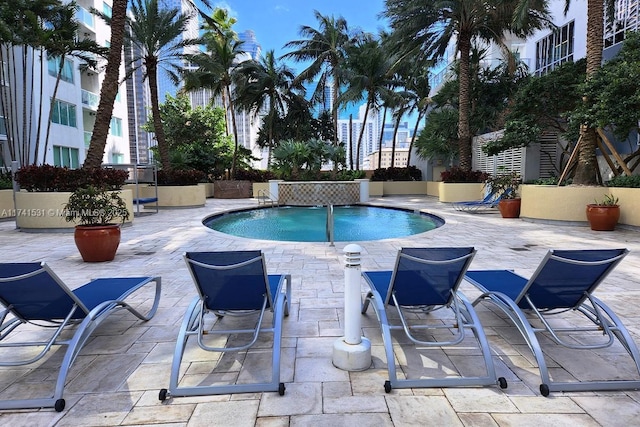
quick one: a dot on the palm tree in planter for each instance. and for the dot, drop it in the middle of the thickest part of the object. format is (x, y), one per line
(95, 209)
(505, 186)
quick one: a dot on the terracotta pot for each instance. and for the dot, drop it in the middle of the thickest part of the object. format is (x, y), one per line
(97, 243)
(510, 208)
(603, 218)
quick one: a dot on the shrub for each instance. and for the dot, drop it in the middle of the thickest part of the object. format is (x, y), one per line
(632, 181)
(411, 173)
(346, 175)
(55, 178)
(92, 205)
(180, 177)
(254, 175)
(6, 182)
(457, 174)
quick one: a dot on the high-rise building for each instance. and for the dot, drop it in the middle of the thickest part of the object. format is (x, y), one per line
(66, 114)
(250, 44)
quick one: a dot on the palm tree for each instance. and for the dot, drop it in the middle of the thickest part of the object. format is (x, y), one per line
(326, 48)
(418, 84)
(424, 29)
(157, 34)
(110, 83)
(368, 71)
(265, 84)
(216, 71)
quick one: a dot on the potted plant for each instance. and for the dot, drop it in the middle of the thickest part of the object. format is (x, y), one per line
(603, 215)
(96, 208)
(505, 186)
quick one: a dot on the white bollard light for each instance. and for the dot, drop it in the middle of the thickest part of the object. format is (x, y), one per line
(352, 352)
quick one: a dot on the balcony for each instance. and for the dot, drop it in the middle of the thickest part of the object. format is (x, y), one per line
(87, 139)
(85, 18)
(90, 99)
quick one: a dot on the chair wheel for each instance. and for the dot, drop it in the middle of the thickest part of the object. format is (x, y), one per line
(163, 395)
(544, 390)
(502, 382)
(59, 405)
(387, 386)
(281, 389)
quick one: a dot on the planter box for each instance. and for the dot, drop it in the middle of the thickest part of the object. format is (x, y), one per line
(177, 196)
(44, 211)
(449, 192)
(232, 189)
(259, 188)
(433, 188)
(7, 209)
(208, 189)
(376, 188)
(550, 202)
(401, 188)
(629, 200)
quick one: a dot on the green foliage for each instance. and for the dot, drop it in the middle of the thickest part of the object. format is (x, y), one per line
(505, 184)
(254, 175)
(298, 160)
(607, 200)
(180, 177)
(397, 174)
(541, 102)
(93, 205)
(457, 174)
(439, 137)
(632, 181)
(6, 181)
(613, 93)
(349, 175)
(54, 178)
(196, 137)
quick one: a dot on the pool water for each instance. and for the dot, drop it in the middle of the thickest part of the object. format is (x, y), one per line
(309, 224)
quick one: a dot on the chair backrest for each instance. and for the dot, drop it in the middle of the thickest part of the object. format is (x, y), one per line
(427, 276)
(33, 292)
(565, 277)
(233, 280)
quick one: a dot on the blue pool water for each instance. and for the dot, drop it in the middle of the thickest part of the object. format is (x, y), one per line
(308, 224)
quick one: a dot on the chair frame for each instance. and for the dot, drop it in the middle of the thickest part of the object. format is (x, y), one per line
(466, 318)
(194, 322)
(605, 321)
(86, 320)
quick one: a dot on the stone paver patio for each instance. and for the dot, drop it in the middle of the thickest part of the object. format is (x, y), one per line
(116, 378)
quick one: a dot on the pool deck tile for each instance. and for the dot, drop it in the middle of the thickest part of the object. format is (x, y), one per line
(116, 378)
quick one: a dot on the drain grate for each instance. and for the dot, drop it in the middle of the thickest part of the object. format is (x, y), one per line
(144, 253)
(519, 249)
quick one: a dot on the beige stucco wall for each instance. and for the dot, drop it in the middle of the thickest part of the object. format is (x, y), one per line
(460, 192)
(177, 196)
(398, 188)
(7, 209)
(629, 200)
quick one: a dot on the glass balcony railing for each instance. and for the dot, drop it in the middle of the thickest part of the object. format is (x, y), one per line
(87, 139)
(90, 99)
(85, 17)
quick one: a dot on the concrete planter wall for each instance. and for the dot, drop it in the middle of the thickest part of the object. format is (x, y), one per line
(549, 202)
(232, 189)
(208, 189)
(7, 209)
(177, 196)
(433, 188)
(376, 188)
(44, 211)
(460, 192)
(402, 188)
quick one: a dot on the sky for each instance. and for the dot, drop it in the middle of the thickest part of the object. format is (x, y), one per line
(277, 22)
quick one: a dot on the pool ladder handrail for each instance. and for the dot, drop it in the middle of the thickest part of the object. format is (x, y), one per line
(330, 229)
(264, 197)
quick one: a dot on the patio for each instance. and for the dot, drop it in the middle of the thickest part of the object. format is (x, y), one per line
(116, 379)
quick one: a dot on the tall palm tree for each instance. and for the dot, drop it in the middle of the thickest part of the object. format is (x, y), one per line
(418, 84)
(369, 75)
(110, 83)
(157, 34)
(425, 29)
(216, 70)
(266, 84)
(326, 48)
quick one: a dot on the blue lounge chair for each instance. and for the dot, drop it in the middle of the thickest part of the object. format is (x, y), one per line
(490, 201)
(32, 294)
(564, 282)
(425, 280)
(228, 284)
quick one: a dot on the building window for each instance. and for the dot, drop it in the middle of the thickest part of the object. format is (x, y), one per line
(117, 158)
(65, 157)
(3, 127)
(116, 126)
(555, 49)
(106, 9)
(4, 74)
(64, 113)
(53, 65)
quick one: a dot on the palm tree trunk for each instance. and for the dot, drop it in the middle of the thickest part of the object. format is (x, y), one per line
(163, 148)
(464, 127)
(364, 124)
(393, 140)
(587, 168)
(235, 134)
(384, 119)
(36, 148)
(350, 136)
(413, 138)
(109, 88)
(334, 110)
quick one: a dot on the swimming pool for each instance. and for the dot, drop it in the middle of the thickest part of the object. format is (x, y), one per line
(309, 224)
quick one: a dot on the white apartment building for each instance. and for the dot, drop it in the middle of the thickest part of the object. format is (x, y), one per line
(75, 104)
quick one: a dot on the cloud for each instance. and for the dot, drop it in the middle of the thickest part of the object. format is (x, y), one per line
(281, 8)
(225, 5)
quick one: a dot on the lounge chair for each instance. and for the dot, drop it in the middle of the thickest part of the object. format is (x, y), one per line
(490, 201)
(32, 294)
(228, 284)
(563, 282)
(425, 280)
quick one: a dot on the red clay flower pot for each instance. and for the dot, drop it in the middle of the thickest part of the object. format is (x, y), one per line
(603, 218)
(97, 243)
(509, 208)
